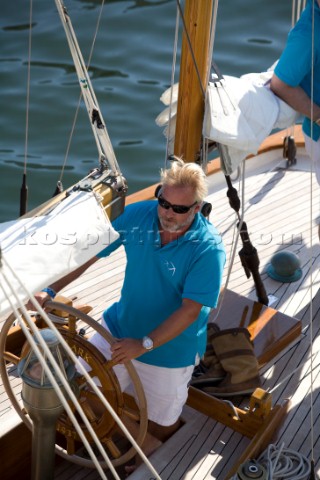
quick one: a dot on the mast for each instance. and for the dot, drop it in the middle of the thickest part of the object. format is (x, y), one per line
(190, 109)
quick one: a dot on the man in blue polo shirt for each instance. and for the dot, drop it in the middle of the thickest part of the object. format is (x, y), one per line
(175, 261)
(297, 82)
(160, 275)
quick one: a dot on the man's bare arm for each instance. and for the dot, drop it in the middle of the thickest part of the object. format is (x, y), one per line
(64, 281)
(128, 348)
(43, 297)
(295, 97)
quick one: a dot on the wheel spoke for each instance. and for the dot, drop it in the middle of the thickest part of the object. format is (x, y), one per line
(112, 447)
(10, 357)
(88, 410)
(132, 414)
(71, 449)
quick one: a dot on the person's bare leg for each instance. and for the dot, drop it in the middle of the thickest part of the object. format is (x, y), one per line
(163, 433)
(156, 435)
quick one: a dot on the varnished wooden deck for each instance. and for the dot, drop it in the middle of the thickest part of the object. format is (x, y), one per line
(279, 216)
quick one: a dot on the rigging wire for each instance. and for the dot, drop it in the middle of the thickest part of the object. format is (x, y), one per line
(173, 69)
(205, 141)
(191, 49)
(204, 149)
(311, 248)
(297, 7)
(170, 130)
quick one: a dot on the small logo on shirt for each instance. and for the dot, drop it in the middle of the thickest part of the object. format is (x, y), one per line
(170, 266)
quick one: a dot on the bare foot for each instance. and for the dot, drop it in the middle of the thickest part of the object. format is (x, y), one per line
(130, 469)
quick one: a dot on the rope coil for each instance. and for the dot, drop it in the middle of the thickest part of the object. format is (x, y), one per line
(279, 463)
(285, 463)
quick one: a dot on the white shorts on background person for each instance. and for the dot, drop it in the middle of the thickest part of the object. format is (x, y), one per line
(166, 389)
(313, 150)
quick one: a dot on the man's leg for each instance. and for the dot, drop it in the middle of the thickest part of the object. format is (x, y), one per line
(161, 432)
(156, 435)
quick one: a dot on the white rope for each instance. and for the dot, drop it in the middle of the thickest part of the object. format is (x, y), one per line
(284, 380)
(284, 463)
(71, 354)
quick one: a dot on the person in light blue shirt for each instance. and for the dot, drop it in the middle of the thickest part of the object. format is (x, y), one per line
(160, 276)
(296, 78)
(173, 276)
(175, 260)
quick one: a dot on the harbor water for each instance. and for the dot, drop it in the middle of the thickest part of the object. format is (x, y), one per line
(131, 66)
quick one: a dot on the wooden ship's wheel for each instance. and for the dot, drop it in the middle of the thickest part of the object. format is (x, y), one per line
(68, 442)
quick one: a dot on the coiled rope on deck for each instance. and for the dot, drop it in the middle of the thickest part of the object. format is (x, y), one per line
(278, 463)
(285, 463)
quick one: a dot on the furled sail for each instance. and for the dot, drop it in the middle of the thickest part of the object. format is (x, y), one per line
(239, 114)
(42, 249)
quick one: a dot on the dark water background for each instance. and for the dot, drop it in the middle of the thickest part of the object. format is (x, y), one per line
(130, 69)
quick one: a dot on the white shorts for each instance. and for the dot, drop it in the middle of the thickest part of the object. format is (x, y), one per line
(166, 389)
(313, 150)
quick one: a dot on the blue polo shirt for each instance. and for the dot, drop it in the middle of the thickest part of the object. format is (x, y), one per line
(294, 66)
(158, 278)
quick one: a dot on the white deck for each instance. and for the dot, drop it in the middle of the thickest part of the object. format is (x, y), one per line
(279, 216)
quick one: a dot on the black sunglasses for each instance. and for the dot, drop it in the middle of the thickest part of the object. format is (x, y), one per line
(176, 208)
